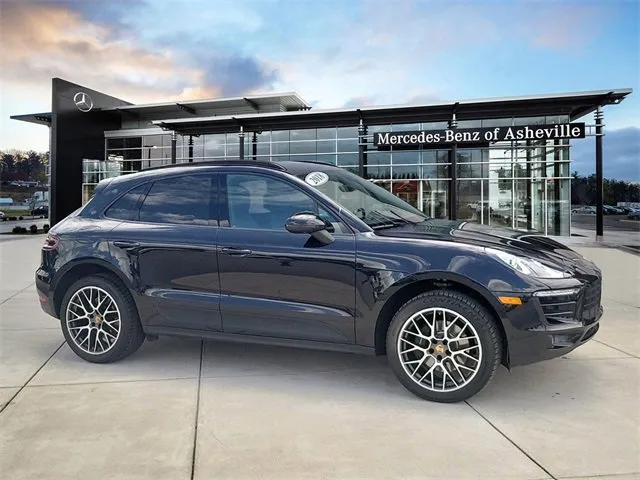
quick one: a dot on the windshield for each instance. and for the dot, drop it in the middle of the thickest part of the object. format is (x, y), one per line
(374, 205)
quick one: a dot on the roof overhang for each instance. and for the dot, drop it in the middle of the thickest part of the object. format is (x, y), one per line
(575, 105)
(192, 108)
(38, 118)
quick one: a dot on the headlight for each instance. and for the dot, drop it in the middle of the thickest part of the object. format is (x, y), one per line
(527, 266)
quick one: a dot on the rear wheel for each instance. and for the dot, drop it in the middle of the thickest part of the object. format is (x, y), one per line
(99, 320)
(443, 346)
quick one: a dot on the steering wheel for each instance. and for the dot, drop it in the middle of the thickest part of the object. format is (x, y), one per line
(362, 215)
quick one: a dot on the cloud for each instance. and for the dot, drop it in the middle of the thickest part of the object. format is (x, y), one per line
(356, 102)
(237, 75)
(559, 26)
(620, 150)
(42, 40)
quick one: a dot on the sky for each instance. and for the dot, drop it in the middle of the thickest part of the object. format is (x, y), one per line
(332, 53)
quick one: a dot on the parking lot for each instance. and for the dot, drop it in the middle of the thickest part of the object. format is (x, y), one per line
(610, 222)
(181, 409)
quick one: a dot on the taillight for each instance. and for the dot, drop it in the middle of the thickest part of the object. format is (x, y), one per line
(51, 243)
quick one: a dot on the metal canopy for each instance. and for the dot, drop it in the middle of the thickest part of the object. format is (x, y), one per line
(191, 108)
(38, 118)
(575, 105)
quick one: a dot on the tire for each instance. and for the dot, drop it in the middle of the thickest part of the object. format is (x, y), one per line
(105, 343)
(477, 335)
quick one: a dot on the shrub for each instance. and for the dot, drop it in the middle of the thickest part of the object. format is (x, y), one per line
(18, 229)
(45, 228)
(20, 218)
(33, 228)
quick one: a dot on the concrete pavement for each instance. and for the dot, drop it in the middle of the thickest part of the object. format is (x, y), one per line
(276, 413)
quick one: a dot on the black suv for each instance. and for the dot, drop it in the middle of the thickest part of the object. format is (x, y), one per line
(308, 254)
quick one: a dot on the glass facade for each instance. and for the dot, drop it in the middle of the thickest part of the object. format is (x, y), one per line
(519, 184)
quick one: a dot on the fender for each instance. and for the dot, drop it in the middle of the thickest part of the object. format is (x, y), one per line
(86, 261)
(370, 321)
(452, 277)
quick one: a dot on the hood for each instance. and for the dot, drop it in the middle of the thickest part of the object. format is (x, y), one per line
(529, 244)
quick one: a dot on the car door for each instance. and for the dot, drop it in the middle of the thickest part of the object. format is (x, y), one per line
(169, 247)
(275, 283)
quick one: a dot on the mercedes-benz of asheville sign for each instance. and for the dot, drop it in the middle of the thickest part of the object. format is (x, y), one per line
(479, 135)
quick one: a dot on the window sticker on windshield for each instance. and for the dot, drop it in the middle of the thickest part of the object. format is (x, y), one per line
(315, 179)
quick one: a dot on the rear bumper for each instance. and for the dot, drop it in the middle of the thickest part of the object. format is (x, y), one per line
(44, 291)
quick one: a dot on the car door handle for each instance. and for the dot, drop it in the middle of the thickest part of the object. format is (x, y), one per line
(236, 252)
(125, 245)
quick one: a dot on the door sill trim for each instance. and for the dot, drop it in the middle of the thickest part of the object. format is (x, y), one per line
(261, 340)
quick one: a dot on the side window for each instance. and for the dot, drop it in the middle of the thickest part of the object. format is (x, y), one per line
(126, 207)
(260, 202)
(179, 200)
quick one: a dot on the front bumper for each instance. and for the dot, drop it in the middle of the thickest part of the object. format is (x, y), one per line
(553, 324)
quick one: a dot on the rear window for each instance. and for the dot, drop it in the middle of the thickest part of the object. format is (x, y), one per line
(128, 205)
(180, 200)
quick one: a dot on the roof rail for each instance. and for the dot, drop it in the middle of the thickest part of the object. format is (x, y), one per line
(251, 163)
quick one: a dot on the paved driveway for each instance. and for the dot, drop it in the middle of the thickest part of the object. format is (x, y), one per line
(183, 409)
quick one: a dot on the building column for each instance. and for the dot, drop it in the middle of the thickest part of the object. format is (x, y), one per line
(599, 176)
(190, 148)
(174, 142)
(453, 174)
(362, 150)
(254, 146)
(529, 203)
(557, 158)
(241, 139)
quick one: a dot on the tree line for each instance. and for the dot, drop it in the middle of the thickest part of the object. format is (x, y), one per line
(24, 165)
(583, 190)
(31, 165)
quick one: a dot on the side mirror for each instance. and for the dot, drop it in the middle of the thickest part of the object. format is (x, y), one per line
(311, 224)
(304, 223)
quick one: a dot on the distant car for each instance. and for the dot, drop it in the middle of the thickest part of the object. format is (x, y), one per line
(634, 214)
(584, 210)
(611, 210)
(2, 216)
(40, 211)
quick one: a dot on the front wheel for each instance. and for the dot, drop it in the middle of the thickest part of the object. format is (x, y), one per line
(444, 346)
(100, 321)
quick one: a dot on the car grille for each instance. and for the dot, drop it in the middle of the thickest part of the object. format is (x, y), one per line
(560, 309)
(570, 308)
(591, 298)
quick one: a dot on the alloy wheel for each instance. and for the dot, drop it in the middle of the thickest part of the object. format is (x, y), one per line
(439, 349)
(93, 320)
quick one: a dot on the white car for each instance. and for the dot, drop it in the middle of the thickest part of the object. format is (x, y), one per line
(584, 210)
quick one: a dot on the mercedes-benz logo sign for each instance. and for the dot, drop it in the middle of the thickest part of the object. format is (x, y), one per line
(83, 101)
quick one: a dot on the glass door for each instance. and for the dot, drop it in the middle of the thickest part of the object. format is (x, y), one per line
(407, 190)
(434, 198)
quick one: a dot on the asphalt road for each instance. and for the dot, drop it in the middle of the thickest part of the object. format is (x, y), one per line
(611, 222)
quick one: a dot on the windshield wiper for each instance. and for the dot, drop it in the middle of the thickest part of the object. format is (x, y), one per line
(386, 221)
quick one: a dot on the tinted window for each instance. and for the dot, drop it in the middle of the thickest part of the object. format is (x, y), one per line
(126, 207)
(184, 200)
(256, 201)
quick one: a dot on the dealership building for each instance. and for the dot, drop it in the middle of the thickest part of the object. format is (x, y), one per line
(497, 161)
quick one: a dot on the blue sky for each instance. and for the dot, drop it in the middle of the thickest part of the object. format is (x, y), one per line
(333, 53)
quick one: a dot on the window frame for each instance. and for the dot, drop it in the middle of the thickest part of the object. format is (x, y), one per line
(223, 204)
(136, 210)
(214, 200)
